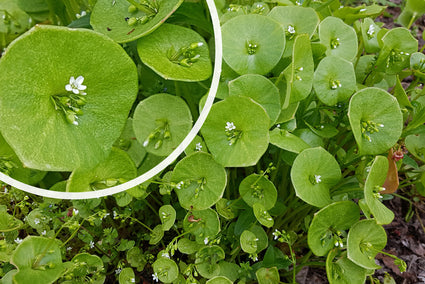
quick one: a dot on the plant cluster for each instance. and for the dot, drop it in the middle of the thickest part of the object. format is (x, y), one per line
(312, 128)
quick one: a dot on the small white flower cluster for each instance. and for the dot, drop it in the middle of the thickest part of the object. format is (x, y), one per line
(155, 277)
(371, 31)
(230, 126)
(198, 146)
(291, 29)
(76, 85)
(318, 178)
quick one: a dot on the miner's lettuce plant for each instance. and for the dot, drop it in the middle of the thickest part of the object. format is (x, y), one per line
(311, 130)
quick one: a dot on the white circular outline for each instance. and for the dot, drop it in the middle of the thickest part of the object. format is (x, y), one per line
(163, 164)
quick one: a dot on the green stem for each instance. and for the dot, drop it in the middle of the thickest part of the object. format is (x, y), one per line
(137, 221)
(411, 20)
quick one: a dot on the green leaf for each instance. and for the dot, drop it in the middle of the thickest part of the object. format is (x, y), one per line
(165, 269)
(261, 90)
(339, 38)
(343, 270)
(230, 270)
(112, 19)
(225, 209)
(243, 145)
(167, 214)
(156, 235)
(313, 173)
(369, 32)
(328, 225)
(248, 241)
(375, 119)
(59, 53)
(161, 122)
(263, 239)
(268, 275)
(127, 142)
(263, 217)
(127, 276)
(168, 51)
(33, 6)
(87, 265)
(365, 240)
(187, 246)
(38, 260)
(416, 146)
(204, 224)
(219, 280)
(200, 181)
(252, 43)
(207, 260)
(287, 141)
(334, 80)
(8, 223)
(375, 180)
(258, 189)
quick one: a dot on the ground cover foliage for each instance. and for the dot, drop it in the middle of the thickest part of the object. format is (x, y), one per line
(318, 120)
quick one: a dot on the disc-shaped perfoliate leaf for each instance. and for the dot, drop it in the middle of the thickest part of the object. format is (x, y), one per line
(165, 269)
(219, 280)
(263, 217)
(252, 43)
(116, 169)
(417, 63)
(295, 20)
(202, 224)
(161, 122)
(248, 241)
(114, 19)
(236, 132)
(397, 46)
(328, 224)
(14, 20)
(38, 132)
(369, 31)
(88, 265)
(167, 214)
(375, 119)
(38, 260)
(261, 90)
(156, 235)
(226, 209)
(334, 80)
(299, 75)
(258, 189)
(127, 276)
(416, 145)
(267, 275)
(200, 181)
(287, 141)
(343, 270)
(365, 240)
(313, 173)
(374, 181)
(207, 259)
(263, 240)
(339, 38)
(33, 6)
(176, 53)
(187, 246)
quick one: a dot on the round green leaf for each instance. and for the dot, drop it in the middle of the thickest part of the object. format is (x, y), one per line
(200, 181)
(57, 54)
(163, 52)
(236, 132)
(161, 122)
(252, 43)
(343, 270)
(268, 275)
(417, 63)
(165, 269)
(230, 270)
(334, 80)
(88, 265)
(112, 18)
(313, 173)
(339, 38)
(8, 223)
(167, 214)
(375, 119)
(116, 169)
(263, 239)
(156, 235)
(416, 145)
(14, 20)
(127, 276)
(287, 141)
(204, 224)
(38, 260)
(365, 240)
(219, 280)
(328, 225)
(261, 90)
(374, 181)
(369, 34)
(225, 209)
(207, 260)
(258, 189)
(262, 215)
(187, 246)
(248, 241)
(33, 6)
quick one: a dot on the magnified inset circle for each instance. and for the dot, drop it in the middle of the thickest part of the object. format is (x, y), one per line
(78, 87)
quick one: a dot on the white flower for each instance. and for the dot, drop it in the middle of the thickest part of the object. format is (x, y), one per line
(132, 280)
(179, 185)
(155, 277)
(43, 233)
(18, 240)
(206, 240)
(36, 221)
(165, 254)
(381, 125)
(198, 146)
(115, 214)
(83, 13)
(69, 248)
(76, 85)
(118, 270)
(318, 178)
(91, 244)
(362, 10)
(291, 29)
(75, 211)
(230, 126)
(276, 234)
(371, 31)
